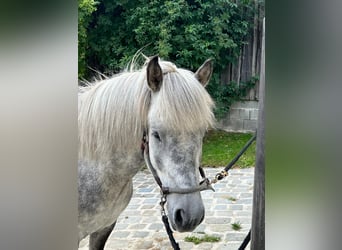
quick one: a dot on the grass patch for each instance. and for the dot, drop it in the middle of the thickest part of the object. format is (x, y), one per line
(236, 226)
(205, 238)
(228, 197)
(231, 198)
(220, 147)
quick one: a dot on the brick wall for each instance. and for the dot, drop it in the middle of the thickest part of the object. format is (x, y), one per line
(242, 117)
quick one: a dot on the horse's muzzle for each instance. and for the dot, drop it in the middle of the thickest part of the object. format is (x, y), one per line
(185, 211)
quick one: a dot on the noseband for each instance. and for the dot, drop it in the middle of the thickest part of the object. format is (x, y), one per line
(204, 184)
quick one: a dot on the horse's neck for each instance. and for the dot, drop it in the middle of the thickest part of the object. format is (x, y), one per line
(127, 164)
(121, 168)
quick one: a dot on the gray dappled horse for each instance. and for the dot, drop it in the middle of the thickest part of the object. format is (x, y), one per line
(173, 107)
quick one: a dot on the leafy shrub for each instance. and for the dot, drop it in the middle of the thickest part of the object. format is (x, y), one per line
(186, 32)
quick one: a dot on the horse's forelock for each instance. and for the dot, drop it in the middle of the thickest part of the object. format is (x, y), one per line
(184, 104)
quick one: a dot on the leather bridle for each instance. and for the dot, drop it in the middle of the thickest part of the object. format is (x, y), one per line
(205, 183)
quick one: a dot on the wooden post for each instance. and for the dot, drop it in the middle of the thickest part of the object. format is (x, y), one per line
(258, 215)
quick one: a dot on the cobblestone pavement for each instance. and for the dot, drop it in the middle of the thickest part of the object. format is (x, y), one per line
(140, 225)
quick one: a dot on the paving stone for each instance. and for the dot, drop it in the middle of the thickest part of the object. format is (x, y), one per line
(156, 226)
(221, 207)
(146, 244)
(132, 219)
(208, 212)
(186, 245)
(148, 212)
(140, 225)
(140, 234)
(246, 195)
(236, 181)
(206, 246)
(137, 226)
(200, 228)
(217, 220)
(235, 207)
(224, 213)
(223, 201)
(242, 213)
(235, 236)
(151, 201)
(121, 226)
(230, 246)
(116, 243)
(244, 201)
(149, 206)
(131, 212)
(145, 190)
(245, 220)
(120, 234)
(219, 227)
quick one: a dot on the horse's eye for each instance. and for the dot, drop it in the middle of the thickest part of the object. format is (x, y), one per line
(156, 135)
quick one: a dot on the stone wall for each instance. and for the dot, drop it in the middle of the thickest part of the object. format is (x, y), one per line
(242, 117)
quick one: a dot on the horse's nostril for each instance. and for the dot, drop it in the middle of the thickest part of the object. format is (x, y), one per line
(179, 216)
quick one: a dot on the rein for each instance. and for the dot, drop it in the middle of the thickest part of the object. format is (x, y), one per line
(205, 184)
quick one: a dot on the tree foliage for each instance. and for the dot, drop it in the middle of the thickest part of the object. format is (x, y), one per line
(85, 9)
(186, 32)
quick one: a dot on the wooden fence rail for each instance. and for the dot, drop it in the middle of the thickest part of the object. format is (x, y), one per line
(248, 64)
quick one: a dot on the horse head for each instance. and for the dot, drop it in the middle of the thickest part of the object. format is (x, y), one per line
(179, 114)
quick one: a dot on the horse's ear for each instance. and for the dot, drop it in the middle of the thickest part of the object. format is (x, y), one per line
(203, 74)
(154, 74)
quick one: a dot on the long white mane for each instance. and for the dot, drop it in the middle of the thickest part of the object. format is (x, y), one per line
(112, 113)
